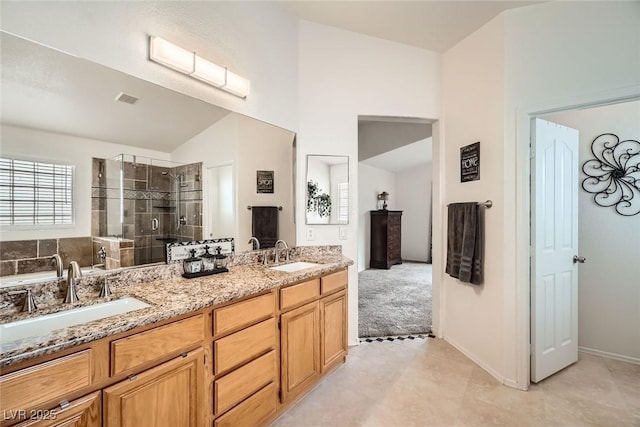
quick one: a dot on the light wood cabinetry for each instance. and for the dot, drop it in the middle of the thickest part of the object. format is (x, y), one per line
(83, 412)
(300, 343)
(31, 387)
(222, 366)
(131, 352)
(168, 395)
(333, 331)
(246, 362)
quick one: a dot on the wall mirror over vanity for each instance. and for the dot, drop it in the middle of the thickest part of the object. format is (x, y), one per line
(105, 169)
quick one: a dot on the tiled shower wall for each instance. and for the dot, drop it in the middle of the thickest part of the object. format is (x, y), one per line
(31, 256)
(149, 194)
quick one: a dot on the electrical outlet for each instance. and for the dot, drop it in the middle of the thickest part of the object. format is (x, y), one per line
(311, 234)
(342, 233)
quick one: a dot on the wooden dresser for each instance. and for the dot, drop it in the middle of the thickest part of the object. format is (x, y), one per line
(385, 238)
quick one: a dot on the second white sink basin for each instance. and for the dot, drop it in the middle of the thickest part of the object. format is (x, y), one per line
(42, 325)
(294, 266)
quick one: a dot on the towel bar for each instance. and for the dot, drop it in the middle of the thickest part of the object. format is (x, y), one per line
(488, 204)
(251, 207)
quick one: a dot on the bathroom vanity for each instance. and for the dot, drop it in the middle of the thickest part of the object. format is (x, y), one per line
(223, 350)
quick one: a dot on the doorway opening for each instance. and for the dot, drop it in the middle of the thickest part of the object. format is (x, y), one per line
(395, 226)
(599, 313)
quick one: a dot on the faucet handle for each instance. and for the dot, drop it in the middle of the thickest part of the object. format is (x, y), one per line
(105, 291)
(29, 303)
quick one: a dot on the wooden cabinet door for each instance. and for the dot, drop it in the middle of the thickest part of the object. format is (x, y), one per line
(333, 329)
(300, 342)
(83, 412)
(168, 395)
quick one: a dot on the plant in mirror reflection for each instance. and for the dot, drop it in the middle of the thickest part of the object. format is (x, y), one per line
(317, 201)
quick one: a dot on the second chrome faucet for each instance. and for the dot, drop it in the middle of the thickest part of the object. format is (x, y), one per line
(73, 273)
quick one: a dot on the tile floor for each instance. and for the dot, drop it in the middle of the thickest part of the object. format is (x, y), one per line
(426, 382)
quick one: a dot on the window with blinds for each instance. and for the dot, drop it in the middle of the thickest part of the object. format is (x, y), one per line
(343, 203)
(35, 193)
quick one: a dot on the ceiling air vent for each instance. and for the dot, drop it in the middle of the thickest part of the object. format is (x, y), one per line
(129, 99)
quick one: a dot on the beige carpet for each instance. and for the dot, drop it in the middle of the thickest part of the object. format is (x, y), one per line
(395, 301)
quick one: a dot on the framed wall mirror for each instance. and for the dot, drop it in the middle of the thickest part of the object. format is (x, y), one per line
(327, 200)
(149, 165)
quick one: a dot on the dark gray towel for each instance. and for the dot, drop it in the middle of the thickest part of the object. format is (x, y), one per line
(465, 233)
(264, 225)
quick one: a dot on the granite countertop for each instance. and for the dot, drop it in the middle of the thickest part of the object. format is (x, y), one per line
(168, 297)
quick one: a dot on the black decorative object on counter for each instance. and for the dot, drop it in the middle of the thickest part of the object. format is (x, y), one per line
(614, 174)
(204, 273)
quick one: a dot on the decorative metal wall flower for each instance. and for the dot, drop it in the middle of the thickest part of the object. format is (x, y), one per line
(614, 175)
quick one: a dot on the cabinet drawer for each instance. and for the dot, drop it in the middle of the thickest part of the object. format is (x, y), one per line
(334, 281)
(243, 313)
(45, 382)
(128, 353)
(300, 293)
(244, 381)
(244, 345)
(251, 412)
(85, 411)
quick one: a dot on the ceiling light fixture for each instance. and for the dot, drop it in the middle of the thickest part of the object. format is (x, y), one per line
(189, 63)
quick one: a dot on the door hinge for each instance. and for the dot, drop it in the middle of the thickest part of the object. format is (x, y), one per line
(280, 395)
(279, 325)
(64, 404)
(132, 377)
(532, 151)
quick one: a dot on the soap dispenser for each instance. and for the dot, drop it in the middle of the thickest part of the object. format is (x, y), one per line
(193, 264)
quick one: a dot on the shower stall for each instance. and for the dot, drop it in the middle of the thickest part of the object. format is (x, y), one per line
(149, 202)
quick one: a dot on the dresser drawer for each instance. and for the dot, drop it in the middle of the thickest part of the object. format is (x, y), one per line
(45, 382)
(334, 281)
(299, 294)
(128, 353)
(251, 412)
(243, 382)
(235, 349)
(239, 315)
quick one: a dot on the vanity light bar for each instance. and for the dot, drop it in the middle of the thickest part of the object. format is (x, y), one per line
(184, 61)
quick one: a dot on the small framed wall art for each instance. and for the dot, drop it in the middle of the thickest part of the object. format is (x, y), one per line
(470, 162)
(264, 181)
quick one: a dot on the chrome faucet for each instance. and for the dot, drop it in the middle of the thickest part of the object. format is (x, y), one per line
(57, 261)
(29, 304)
(278, 252)
(256, 242)
(73, 273)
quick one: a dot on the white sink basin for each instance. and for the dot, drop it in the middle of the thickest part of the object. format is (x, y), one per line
(42, 325)
(294, 266)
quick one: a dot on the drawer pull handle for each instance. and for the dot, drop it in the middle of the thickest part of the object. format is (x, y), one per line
(64, 404)
(132, 377)
(183, 354)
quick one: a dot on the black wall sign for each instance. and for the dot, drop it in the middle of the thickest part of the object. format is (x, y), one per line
(264, 181)
(470, 162)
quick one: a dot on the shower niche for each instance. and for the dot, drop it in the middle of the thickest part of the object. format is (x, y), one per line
(140, 204)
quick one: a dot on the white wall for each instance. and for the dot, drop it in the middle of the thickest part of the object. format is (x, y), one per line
(528, 59)
(551, 64)
(344, 75)
(32, 144)
(372, 181)
(264, 147)
(609, 282)
(255, 39)
(473, 99)
(413, 197)
(250, 145)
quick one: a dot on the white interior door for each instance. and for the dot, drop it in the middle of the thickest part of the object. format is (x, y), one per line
(554, 281)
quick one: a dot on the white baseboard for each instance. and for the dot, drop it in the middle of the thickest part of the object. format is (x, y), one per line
(615, 356)
(502, 380)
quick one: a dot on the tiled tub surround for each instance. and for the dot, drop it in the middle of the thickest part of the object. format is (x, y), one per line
(162, 286)
(148, 194)
(32, 256)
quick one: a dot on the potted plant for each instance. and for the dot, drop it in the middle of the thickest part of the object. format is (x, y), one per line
(318, 201)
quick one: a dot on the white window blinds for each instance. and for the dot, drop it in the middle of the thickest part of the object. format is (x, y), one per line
(343, 203)
(35, 193)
